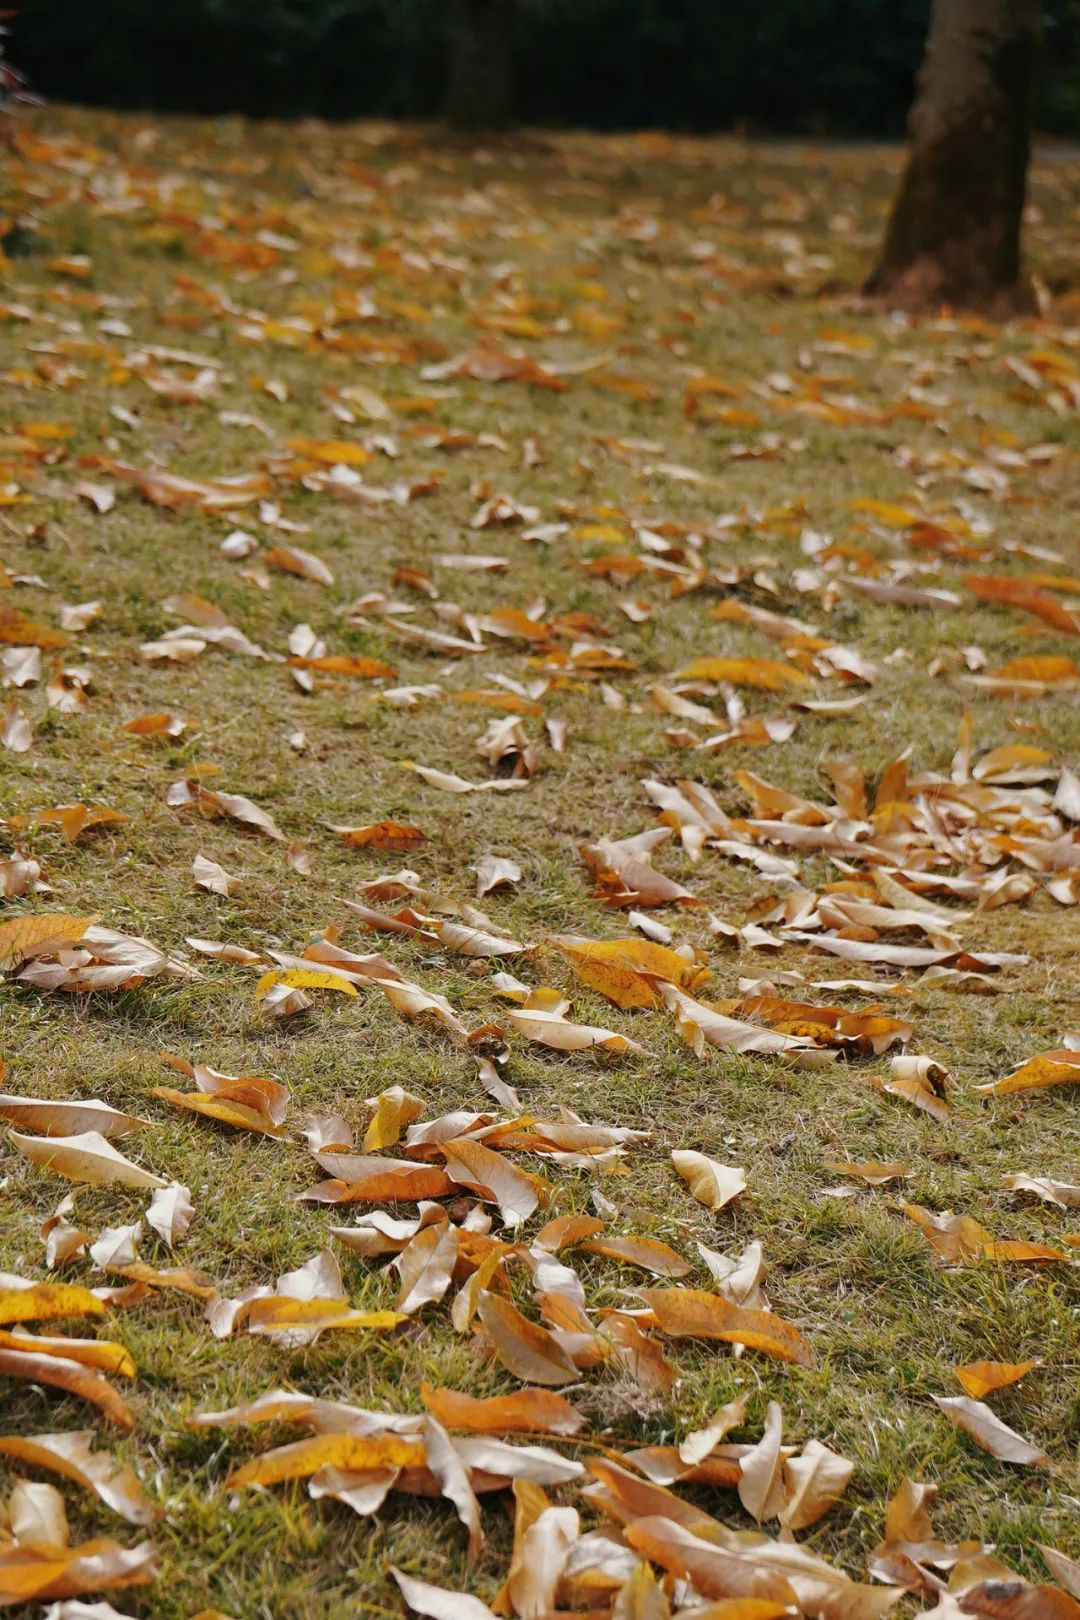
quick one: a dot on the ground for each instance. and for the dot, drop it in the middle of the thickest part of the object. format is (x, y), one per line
(306, 261)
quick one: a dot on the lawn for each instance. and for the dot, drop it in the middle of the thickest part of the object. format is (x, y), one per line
(628, 380)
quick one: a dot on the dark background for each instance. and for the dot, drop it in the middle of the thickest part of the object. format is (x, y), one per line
(826, 67)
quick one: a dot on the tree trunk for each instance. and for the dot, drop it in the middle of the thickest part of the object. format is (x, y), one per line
(479, 69)
(954, 233)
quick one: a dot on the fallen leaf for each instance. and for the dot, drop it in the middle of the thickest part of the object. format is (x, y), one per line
(35, 933)
(712, 1184)
(69, 1118)
(353, 1452)
(64, 1373)
(527, 1411)
(171, 1212)
(684, 1313)
(761, 1490)
(526, 1350)
(551, 1029)
(988, 1431)
(1060, 1068)
(814, 1482)
(436, 1601)
(207, 874)
(72, 1455)
(86, 1156)
(980, 1378)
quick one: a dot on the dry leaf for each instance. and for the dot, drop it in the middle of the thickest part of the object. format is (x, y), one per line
(980, 1378)
(813, 1483)
(207, 874)
(528, 1351)
(72, 1455)
(712, 1184)
(761, 1489)
(552, 1029)
(495, 872)
(685, 1313)
(436, 1601)
(1061, 1068)
(988, 1431)
(527, 1411)
(171, 1212)
(86, 1156)
(68, 1118)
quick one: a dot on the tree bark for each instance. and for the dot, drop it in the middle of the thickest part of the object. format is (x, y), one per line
(954, 232)
(479, 64)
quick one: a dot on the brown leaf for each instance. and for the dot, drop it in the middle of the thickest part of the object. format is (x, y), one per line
(644, 1252)
(494, 1179)
(382, 835)
(38, 1572)
(528, 1351)
(552, 1029)
(761, 1489)
(959, 1240)
(685, 1313)
(425, 1267)
(1016, 1600)
(625, 876)
(813, 1483)
(375, 1180)
(1020, 593)
(68, 1118)
(712, 1570)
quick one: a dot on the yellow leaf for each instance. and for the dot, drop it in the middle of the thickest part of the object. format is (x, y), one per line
(764, 674)
(303, 979)
(224, 1109)
(349, 1451)
(622, 969)
(43, 1302)
(1059, 1068)
(27, 934)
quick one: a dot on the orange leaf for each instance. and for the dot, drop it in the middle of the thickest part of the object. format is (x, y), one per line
(979, 1378)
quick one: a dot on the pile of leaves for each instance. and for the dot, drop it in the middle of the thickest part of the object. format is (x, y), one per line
(539, 887)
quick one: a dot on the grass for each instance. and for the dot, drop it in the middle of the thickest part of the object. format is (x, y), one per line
(605, 236)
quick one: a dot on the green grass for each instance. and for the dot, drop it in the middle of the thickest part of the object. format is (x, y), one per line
(888, 1323)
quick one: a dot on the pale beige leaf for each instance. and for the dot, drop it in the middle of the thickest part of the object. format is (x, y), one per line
(987, 1430)
(813, 1482)
(72, 1455)
(171, 1212)
(207, 874)
(712, 1184)
(437, 1602)
(87, 1157)
(761, 1488)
